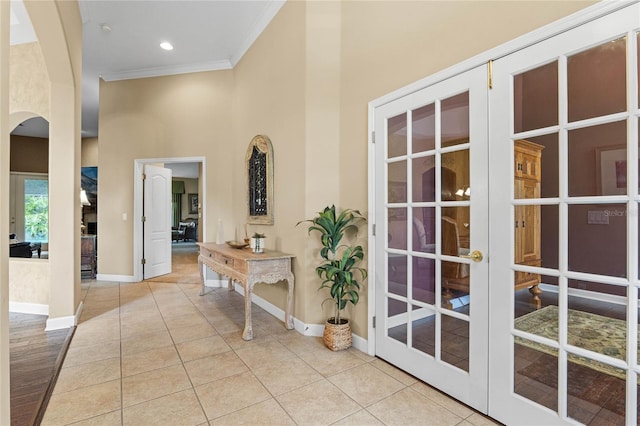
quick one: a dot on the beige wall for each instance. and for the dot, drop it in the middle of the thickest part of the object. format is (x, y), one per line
(29, 88)
(89, 155)
(29, 154)
(177, 116)
(29, 281)
(305, 83)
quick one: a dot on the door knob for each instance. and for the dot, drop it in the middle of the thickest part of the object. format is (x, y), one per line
(475, 255)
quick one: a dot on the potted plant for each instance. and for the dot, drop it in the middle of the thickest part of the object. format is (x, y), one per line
(338, 269)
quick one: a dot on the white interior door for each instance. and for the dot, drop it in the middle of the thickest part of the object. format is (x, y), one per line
(157, 223)
(431, 180)
(564, 227)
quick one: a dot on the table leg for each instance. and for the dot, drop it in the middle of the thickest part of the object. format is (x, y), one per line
(247, 334)
(201, 275)
(288, 317)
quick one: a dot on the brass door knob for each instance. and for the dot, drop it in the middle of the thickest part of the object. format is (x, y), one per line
(475, 255)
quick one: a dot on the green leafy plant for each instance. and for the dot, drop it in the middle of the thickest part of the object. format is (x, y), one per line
(36, 215)
(339, 268)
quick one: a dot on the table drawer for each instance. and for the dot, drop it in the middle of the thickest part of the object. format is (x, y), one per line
(224, 260)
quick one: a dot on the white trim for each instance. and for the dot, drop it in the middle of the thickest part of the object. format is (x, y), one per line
(223, 64)
(586, 294)
(315, 330)
(64, 322)
(29, 308)
(138, 168)
(270, 11)
(117, 278)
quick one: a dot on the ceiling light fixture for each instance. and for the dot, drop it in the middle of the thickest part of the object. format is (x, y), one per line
(166, 45)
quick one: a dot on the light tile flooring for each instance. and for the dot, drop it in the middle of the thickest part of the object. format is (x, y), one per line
(157, 353)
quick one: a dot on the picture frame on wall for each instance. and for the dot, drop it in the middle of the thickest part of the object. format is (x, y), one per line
(611, 170)
(193, 203)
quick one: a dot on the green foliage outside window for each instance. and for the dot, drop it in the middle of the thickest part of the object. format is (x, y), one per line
(36, 211)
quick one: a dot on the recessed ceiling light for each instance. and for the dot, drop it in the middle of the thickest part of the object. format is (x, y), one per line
(166, 45)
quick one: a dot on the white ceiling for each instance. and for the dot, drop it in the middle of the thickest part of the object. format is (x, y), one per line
(206, 35)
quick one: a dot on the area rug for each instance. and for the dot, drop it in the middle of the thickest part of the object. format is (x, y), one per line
(586, 330)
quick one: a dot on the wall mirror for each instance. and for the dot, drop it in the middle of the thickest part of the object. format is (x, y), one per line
(259, 166)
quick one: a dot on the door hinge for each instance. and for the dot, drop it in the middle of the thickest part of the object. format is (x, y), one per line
(373, 229)
(374, 322)
(143, 219)
(143, 261)
(373, 136)
(144, 176)
(490, 73)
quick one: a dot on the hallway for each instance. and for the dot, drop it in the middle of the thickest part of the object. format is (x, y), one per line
(156, 352)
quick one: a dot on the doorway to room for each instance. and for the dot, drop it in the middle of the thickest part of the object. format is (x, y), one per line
(537, 171)
(182, 215)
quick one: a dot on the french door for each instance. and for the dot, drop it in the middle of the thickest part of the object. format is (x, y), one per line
(547, 332)
(564, 227)
(431, 308)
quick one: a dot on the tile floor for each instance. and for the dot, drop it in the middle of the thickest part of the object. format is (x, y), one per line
(157, 353)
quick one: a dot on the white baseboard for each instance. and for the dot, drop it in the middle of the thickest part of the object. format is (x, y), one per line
(216, 283)
(29, 308)
(64, 322)
(316, 330)
(586, 294)
(116, 278)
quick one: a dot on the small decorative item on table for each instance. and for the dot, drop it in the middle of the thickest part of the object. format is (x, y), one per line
(237, 244)
(258, 245)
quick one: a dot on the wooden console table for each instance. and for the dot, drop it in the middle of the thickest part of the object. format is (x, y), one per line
(248, 268)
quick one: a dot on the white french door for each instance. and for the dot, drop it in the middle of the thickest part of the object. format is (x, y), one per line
(431, 303)
(568, 351)
(547, 332)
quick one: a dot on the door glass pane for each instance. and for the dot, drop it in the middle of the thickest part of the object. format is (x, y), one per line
(423, 330)
(455, 120)
(456, 290)
(36, 210)
(595, 324)
(423, 124)
(397, 136)
(536, 160)
(536, 372)
(455, 176)
(455, 342)
(455, 231)
(424, 280)
(598, 239)
(529, 297)
(597, 81)
(598, 151)
(536, 98)
(397, 320)
(397, 228)
(549, 236)
(424, 179)
(595, 397)
(397, 269)
(424, 229)
(397, 182)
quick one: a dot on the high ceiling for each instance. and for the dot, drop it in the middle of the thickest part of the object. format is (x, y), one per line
(121, 40)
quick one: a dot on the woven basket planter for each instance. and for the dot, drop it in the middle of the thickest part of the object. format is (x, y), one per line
(337, 337)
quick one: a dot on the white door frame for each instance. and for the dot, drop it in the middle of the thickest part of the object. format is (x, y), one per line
(138, 168)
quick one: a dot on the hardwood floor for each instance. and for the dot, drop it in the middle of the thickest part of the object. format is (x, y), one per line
(35, 357)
